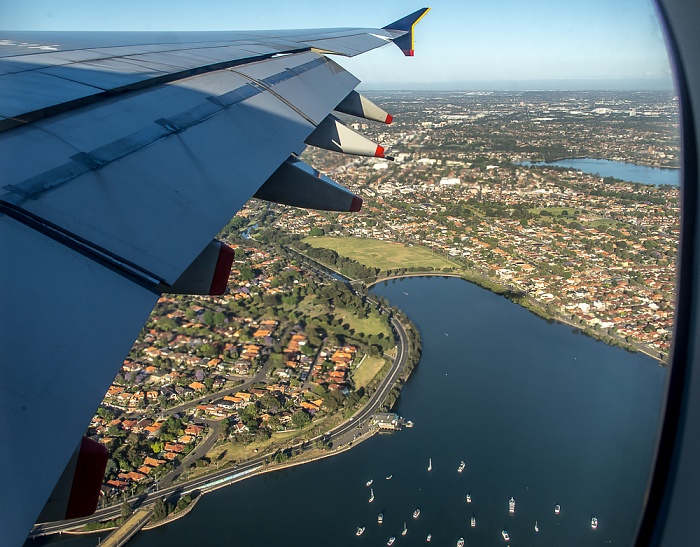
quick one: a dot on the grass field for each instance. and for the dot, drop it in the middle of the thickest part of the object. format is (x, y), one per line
(384, 255)
(372, 324)
(367, 371)
(556, 211)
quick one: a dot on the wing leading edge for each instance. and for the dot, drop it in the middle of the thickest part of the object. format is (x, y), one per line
(122, 158)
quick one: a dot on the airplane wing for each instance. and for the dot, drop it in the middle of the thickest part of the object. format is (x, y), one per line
(122, 156)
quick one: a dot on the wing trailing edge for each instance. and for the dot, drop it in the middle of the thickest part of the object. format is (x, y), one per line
(208, 274)
(78, 490)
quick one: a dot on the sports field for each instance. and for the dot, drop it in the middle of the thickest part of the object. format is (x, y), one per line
(384, 255)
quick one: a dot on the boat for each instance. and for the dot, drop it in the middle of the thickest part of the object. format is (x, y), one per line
(380, 518)
(360, 531)
(403, 532)
(430, 464)
(594, 523)
(461, 467)
(429, 538)
(391, 541)
(473, 522)
(537, 528)
(389, 477)
(416, 513)
(557, 509)
(505, 535)
(511, 506)
(369, 482)
(469, 498)
(371, 495)
(460, 542)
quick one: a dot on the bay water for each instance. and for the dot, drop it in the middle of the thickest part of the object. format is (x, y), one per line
(536, 411)
(620, 170)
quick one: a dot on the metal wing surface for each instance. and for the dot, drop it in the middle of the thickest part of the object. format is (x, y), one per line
(122, 156)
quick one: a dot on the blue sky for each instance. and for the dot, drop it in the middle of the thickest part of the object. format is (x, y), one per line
(460, 44)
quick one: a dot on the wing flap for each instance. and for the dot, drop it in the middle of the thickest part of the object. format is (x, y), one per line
(127, 196)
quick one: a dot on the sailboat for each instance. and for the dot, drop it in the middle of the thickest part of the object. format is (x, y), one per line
(430, 464)
(371, 495)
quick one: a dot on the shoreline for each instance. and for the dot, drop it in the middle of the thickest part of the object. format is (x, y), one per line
(266, 469)
(275, 466)
(547, 162)
(558, 318)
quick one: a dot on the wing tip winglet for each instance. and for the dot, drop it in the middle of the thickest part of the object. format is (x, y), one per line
(389, 119)
(407, 24)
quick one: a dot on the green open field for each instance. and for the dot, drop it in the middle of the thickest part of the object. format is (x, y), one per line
(372, 324)
(367, 370)
(556, 211)
(384, 255)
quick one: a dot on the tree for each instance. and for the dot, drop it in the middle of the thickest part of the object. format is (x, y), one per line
(126, 510)
(159, 510)
(315, 232)
(333, 400)
(300, 419)
(247, 273)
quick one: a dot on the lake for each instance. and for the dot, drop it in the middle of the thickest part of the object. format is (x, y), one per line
(620, 170)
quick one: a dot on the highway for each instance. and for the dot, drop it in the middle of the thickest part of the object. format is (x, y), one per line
(341, 435)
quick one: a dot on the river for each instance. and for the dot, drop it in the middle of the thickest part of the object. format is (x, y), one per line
(536, 411)
(620, 170)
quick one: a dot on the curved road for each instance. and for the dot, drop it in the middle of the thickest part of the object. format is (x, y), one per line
(342, 434)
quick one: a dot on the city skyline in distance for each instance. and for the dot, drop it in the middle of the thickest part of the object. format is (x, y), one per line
(506, 45)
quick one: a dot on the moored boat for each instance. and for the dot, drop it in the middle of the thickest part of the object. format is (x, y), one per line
(360, 530)
(557, 509)
(461, 467)
(460, 542)
(594, 523)
(505, 535)
(473, 522)
(380, 518)
(469, 498)
(416, 513)
(369, 482)
(391, 541)
(429, 538)
(511, 506)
